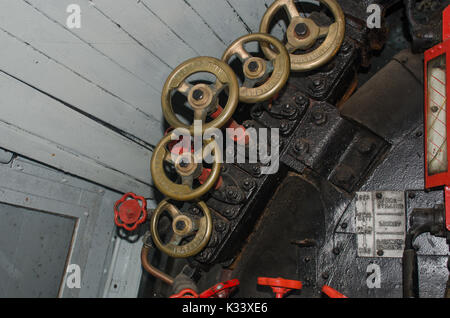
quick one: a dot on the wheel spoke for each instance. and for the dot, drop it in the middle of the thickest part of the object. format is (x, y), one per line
(291, 9)
(184, 88)
(173, 211)
(200, 114)
(290, 48)
(323, 31)
(195, 224)
(242, 53)
(187, 180)
(175, 240)
(168, 157)
(249, 83)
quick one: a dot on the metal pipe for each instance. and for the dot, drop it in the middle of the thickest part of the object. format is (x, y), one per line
(152, 270)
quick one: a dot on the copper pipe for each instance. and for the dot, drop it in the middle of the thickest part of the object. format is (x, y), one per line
(152, 270)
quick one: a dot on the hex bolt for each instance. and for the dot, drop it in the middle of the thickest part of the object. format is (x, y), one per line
(180, 225)
(379, 196)
(253, 66)
(197, 94)
(307, 259)
(220, 226)
(325, 275)
(345, 47)
(301, 101)
(232, 193)
(318, 83)
(344, 225)
(247, 124)
(248, 184)
(411, 195)
(229, 212)
(195, 210)
(288, 109)
(183, 163)
(301, 29)
(336, 251)
(319, 118)
(365, 146)
(256, 170)
(380, 252)
(301, 147)
(284, 127)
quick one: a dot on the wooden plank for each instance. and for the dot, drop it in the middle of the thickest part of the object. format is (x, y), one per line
(57, 42)
(183, 21)
(44, 73)
(38, 127)
(222, 18)
(147, 29)
(110, 39)
(252, 11)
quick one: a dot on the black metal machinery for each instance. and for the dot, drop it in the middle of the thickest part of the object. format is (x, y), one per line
(333, 143)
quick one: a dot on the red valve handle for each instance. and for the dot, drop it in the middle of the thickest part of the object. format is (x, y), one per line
(233, 124)
(280, 286)
(128, 213)
(205, 175)
(220, 290)
(332, 293)
(185, 293)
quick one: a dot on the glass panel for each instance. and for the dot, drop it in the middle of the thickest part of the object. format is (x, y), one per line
(437, 116)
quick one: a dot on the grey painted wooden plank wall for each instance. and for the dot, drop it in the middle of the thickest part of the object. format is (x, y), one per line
(87, 100)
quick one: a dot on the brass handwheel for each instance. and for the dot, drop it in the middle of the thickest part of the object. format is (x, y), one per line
(183, 227)
(188, 166)
(272, 73)
(202, 98)
(302, 33)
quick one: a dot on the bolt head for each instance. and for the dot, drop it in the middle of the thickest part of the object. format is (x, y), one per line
(317, 82)
(198, 94)
(180, 225)
(301, 29)
(301, 147)
(253, 66)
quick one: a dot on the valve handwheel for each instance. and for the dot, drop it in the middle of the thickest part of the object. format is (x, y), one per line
(280, 286)
(183, 226)
(187, 167)
(263, 78)
(202, 98)
(302, 33)
(130, 211)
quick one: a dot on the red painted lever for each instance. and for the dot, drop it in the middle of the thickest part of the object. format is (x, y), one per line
(185, 293)
(220, 290)
(129, 213)
(280, 286)
(332, 293)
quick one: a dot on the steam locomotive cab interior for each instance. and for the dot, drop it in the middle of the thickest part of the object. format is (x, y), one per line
(345, 206)
(226, 148)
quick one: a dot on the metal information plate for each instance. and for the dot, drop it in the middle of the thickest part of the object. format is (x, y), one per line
(380, 220)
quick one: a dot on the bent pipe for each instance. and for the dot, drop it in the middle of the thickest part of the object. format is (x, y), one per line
(152, 270)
